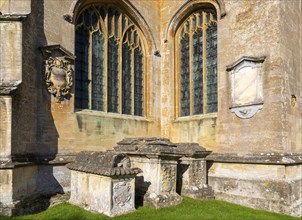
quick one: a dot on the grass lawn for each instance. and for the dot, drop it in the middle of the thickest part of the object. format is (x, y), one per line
(188, 209)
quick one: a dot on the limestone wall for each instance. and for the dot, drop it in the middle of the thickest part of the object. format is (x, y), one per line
(263, 28)
(255, 29)
(249, 28)
(5, 127)
(291, 96)
(10, 60)
(200, 129)
(270, 187)
(42, 126)
(6, 190)
(24, 99)
(10, 65)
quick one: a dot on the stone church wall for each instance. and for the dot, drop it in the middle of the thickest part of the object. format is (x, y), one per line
(251, 29)
(292, 67)
(24, 99)
(90, 130)
(200, 128)
(243, 147)
(262, 152)
(61, 130)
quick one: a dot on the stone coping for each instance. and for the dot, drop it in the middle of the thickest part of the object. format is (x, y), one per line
(192, 150)
(147, 141)
(147, 146)
(32, 160)
(15, 17)
(260, 158)
(160, 147)
(63, 159)
(110, 172)
(107, 163)
(7, 87)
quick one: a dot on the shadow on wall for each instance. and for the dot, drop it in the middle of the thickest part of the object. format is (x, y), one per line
(181, 169)
(34, 135)
(141, 188)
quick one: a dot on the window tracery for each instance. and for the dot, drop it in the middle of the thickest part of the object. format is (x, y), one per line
(110, 62)
(196, 64)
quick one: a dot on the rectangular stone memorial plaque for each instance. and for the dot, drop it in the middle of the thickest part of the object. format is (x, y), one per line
(246, 86)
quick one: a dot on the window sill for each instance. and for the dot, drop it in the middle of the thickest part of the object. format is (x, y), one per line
(196, 117)
(111, 115)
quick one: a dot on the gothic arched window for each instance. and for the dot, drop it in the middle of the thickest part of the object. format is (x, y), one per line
(196, 64)
(109, 62)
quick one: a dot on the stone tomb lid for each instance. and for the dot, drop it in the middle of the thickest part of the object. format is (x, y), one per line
(192, 150)
(160, 146)
(107, 163)
(146, 146)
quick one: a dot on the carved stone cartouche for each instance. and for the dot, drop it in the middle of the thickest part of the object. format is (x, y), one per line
(58, 77)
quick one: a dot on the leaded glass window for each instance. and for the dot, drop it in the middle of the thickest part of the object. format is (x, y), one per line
(196, 64)
(109, 62)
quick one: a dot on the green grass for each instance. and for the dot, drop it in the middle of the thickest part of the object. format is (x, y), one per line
(187, 210)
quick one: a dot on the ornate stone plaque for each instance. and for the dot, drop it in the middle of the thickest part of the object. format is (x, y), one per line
(122, 194)
(58, 70)
(246, 86)
(58, 77)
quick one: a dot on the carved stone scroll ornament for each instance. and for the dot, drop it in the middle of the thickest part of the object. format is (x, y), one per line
(58, 77)
(246, 112)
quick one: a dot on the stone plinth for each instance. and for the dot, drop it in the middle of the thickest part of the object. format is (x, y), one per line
(192, 172)
(270, 181)
(157, 158)
(103, 182)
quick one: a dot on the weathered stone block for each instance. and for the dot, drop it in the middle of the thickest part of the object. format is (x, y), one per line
(6, 191)
(19, 192)
(103, 194)
(5, 128)
(192, 172)
(263, 186)
(15, 7)
(103, 182)
(157, 158)
(11, 59)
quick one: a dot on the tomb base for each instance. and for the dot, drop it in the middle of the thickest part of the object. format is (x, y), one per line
(199, 193)
(192, 172)
(102, 194)
(161, 200)
(103, 182)
(158, 159)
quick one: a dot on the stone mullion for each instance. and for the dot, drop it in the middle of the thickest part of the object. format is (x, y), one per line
(177, 73)
(191, 33)
(144, 84)
(120, 66)
(90, 71)
(105, 78)
(132, 75)
(204, 63)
